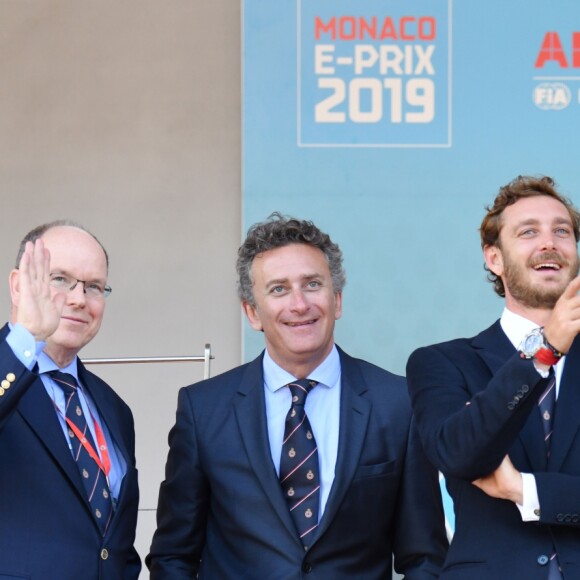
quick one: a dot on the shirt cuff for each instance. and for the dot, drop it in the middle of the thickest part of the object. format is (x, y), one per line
(543, 373)
(23, 345)
(530, 510)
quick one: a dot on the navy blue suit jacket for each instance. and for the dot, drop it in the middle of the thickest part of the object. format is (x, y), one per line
(47, 531)
(475, 400)
(222, 513)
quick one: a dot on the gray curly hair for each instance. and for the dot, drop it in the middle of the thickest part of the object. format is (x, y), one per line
(278, 231)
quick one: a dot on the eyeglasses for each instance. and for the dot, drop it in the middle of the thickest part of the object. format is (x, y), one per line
(67, 283)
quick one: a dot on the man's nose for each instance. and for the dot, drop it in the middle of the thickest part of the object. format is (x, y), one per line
(548, 241)
(77, 295)
(299, 301)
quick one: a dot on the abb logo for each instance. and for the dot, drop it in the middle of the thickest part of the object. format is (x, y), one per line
(552, 50)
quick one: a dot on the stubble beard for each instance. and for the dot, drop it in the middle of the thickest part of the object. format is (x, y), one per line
(536, 296)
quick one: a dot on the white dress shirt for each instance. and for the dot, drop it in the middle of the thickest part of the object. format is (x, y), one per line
(516, 327)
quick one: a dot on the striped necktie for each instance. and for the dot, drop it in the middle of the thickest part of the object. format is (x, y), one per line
(299, 471)
(547, 406)
(93, 478)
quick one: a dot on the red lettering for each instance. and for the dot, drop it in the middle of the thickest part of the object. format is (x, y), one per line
(427, 28)
(359, 27)
(366, 28)
(320, 27)
(576, 49)
(551, 49)
(342, 28)
(404, 35)
(388, 29)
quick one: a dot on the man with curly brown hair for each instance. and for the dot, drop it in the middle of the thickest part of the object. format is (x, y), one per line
(499, 413)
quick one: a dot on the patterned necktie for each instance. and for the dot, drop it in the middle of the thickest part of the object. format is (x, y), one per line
(546, 404)
(94, 480)
(299, 472)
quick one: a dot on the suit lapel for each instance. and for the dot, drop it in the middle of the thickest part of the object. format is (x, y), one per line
(495, 348)
(250, 411)
(37, 410)
(566, 418)
(354, 418)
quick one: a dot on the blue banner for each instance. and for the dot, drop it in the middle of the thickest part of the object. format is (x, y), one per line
(392, 124)
(375, 77)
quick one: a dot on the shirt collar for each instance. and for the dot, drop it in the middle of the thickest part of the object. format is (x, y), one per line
(327, 373)
(46, 365)
(516, 326)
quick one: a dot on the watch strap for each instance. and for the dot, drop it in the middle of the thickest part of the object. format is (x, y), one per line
(547, 357)
(554, 350)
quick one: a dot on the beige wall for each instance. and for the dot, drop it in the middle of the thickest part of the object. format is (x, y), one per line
(125, 116)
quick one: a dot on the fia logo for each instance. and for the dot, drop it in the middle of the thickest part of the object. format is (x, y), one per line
(555, 96)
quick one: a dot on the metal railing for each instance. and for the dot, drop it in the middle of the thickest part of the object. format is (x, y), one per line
(205, 359)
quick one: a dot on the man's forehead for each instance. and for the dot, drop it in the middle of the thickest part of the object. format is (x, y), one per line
(63, 230)
(289, 264)
(70, 243)
(533, 210)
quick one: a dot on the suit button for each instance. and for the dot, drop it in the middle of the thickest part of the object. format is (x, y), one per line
(560, 517)
(543, 560)
(104, 554)
(511, 406)
(525, 388)
(307, 567)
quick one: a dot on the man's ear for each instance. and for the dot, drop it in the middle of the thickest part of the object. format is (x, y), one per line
(14, 285)
(337, 305)
(493, 259)
(252, 315)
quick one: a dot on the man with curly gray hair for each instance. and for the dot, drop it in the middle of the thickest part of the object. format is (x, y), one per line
(279, 231)
(303, 462)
